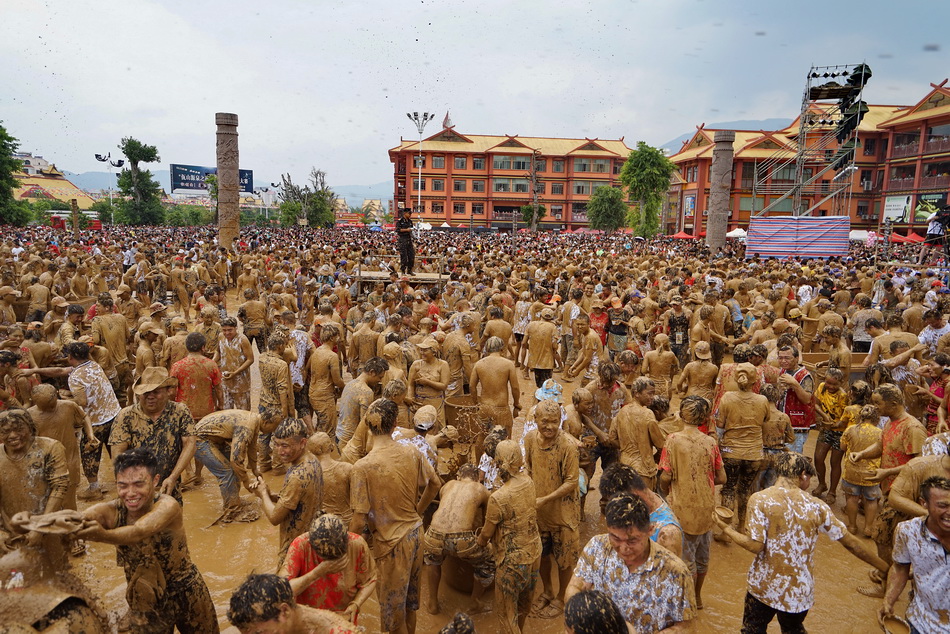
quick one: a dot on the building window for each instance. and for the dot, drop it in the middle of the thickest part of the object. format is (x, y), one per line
(557, 211)
(416, 160)
(478, 162)
(597, 166)
(618, 165)
(557, 189)
(458, 186)
(438, 162)
(582, 187)
(501, 162)
(458, 208)
(438, 184)
(539, 187)
(516, 185)
(419, 184)
(478, 208)
(438, 209)
(557, 166)
(540, 165)
(461, 162)
(870, 147)
(784, 174)
(478, 186)
(863, 209)
(501, 185)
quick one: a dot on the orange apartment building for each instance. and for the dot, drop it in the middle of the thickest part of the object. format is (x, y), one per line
(484, 180)
(903, 159)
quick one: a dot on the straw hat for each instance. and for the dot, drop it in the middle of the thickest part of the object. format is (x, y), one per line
(153, 379)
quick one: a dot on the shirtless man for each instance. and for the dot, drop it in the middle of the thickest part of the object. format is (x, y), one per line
(165, 588)
(452, 532)
(59, 420)
(362, 344)
(636, 433)
(498, 376)
(326, 380)
(458, 353)
(336, 475)
(591, 350)
(497, 326)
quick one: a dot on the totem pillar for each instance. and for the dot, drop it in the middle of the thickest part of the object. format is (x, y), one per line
(229, 213)
(720, 190)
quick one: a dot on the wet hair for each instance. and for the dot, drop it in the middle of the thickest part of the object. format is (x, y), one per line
(195, 341)
(494, 344)
(320, 443)
(461, 623)
(9, 357)
(890, 393)
(931, 483)
(593, 612)
(628, 357)
(468, 470)
(495, 436)
(642, 383)
(258, 599)
(394, 388)
(75, 309)
(881, 371)
(831, 331)
(694, 410)
(106, 300)
(138, 457)
(619, 478)
(40, 389)
(329, 331)
(870, 412)
(743, 380)
(627, 511)
(770, 392)
(895, 319)
(548, 406)
(276, 342)
(660, 406)
(860, 393)
(16, 417)
(508, 458)
(608, 373)
(229, 321)
(706, 311)
(388, 412)
(376, 365)
(835, 373)
(742, 352)
(789, 348)
(77, 350)
(792, 464)
(291, 428)
(580, 394)
(328, 536)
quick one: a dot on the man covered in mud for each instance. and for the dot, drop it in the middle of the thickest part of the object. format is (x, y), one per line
(331, 568)
(551, 459)
(511, 524)
(625, 560)
(326, 380)
(165, 590)
(336, 475)
(498, 378)
(158, 424)
(384, 488)
(301, 496)
(227, 446)
(452, 532)
(265, 603)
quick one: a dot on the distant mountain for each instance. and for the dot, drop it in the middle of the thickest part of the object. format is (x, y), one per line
(674, 145)
(354, 194)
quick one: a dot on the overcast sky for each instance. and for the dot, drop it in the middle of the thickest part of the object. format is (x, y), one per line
(327, 84)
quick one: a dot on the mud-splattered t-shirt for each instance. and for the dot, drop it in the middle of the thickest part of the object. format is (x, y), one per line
(550, 468)
(788, 521)
(693, 460)
(197, 378)
(914, 544)
(655, 596)
(101, 403)
(334, 591)
(27, 483)
(302, 496)
(512, 510)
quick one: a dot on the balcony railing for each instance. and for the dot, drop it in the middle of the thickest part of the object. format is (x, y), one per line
(900, 183)
(504, 216)
(578, 217)
(936, 144)
(909, 149)
(931, 182)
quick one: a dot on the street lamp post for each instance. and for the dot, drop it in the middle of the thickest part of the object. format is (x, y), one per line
(264, 210)
(117, 163)
(420, 126)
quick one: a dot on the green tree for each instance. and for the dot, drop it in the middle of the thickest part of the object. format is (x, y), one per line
(212, 182)
(144, 204)
(289, 211)
(646, 177)
(606, 209)
(316, 198)
(105, 209)
(531, 214)
(11, 212)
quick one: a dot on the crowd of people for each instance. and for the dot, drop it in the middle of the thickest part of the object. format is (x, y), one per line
(434, 408)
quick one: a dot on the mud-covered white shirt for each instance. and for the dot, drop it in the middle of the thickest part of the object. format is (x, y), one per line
(914, 544)
(788, 521)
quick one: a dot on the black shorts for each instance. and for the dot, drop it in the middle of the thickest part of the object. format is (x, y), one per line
(519, 337)
(934, 238)
(540, 376)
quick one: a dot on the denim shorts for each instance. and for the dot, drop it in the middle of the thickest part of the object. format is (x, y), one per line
(869, 493)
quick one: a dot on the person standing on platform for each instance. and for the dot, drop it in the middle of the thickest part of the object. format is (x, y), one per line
(407, 251)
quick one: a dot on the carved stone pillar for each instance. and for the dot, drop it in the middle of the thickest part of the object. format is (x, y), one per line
(229, 213)
(720, 190)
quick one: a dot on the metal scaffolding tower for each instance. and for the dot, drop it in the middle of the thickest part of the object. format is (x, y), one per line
(820, 169)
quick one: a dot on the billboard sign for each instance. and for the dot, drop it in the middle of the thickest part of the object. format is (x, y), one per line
(921, 213)
(191, 178)
(897, 208)
(689, 206)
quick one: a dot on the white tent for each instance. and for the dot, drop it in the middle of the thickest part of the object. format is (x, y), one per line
(424, 226)
(738, 232)
(858, 235)
(445, 224)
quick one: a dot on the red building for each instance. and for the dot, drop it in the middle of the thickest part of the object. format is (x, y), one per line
(483, 180)
(903, 159)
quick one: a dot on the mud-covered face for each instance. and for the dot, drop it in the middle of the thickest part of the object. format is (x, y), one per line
(16, 338)
(630, 543)
(290, 449)
(155, 401)
(548, 423)
(136, 487)
(16, 436)
(645, 397)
